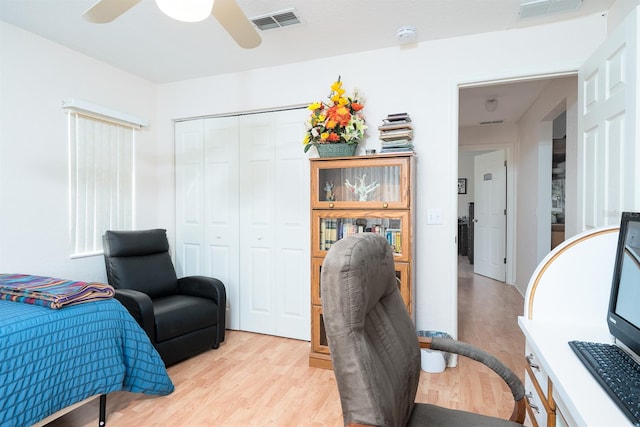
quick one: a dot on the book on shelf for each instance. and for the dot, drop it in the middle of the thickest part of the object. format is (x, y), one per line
(323, 230)
(392, 132)
(397, 117)
(385, 127)
(394, 237)
(396, 136)
(330, 233)
(334, 229)
(397, 150)
(395, 143)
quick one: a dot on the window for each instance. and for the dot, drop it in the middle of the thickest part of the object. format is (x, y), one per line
(101, 180)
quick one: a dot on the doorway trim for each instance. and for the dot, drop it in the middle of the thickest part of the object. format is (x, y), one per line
(511, 150)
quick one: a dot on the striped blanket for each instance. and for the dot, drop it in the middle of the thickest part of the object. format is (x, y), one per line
(51, 292)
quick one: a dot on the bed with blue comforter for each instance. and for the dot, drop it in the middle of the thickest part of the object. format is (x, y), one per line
(53, 358)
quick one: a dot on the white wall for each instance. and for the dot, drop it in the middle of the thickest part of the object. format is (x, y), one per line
(421, 80)
(35, 76)
(534, 169)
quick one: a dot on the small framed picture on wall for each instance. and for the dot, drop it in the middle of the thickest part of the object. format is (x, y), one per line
(462, 185)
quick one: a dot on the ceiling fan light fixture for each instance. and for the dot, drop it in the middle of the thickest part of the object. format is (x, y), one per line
(186, 10)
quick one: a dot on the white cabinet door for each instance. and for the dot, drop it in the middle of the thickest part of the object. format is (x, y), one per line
(608, 153)
(274, 230)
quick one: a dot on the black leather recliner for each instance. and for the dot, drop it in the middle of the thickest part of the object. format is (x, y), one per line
(182, 317)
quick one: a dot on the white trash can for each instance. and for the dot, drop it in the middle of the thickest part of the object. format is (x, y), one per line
(433, 361)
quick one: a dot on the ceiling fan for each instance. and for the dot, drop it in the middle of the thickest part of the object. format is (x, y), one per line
(227, 12)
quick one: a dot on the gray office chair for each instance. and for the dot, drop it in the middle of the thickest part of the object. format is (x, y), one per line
(375, 349)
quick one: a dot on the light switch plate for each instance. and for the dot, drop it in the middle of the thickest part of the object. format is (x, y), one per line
(434, 216)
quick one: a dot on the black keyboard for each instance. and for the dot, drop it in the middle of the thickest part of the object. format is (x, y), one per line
(616, 372)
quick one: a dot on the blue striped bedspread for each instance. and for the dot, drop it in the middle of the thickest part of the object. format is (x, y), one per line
(51, 292)
(50, 359)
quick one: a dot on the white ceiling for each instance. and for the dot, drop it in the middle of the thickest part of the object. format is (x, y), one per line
(146, 43)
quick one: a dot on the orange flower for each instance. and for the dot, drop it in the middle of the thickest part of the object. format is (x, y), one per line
(333, 137)
(340, 114)
(356, 106)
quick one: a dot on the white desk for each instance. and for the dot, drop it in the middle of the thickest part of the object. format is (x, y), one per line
(567, 299)
(578, 395)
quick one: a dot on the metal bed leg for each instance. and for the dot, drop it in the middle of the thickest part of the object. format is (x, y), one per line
(102, 420)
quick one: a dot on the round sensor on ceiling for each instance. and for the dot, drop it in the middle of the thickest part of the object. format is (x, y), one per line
(406, 33)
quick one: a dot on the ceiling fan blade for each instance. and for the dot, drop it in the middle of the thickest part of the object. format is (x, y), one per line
(231, 17)
(107, 10)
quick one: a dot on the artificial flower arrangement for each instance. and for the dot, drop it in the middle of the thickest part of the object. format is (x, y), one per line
(339, 120)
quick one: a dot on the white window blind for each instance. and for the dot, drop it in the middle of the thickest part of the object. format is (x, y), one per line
(101, 180)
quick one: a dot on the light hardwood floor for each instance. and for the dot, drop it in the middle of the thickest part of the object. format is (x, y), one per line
(260, 380)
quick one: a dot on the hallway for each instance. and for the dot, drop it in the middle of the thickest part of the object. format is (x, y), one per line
(487, 318)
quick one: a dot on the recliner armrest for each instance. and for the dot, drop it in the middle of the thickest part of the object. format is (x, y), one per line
(213, 289)
(205, 287)
(140, 307)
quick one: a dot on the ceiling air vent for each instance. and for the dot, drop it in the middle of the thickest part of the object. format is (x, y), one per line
(278, 19)
(492, 122)
(547, 7)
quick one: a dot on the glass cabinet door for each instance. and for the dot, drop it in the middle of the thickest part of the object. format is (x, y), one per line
(402, 274)
(319, 340)
(373, 183)
(330, 226)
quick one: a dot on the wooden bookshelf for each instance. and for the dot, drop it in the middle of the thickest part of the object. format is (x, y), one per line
(355, 195)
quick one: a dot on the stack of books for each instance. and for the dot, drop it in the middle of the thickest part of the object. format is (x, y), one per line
(334, 229)
(396, 133)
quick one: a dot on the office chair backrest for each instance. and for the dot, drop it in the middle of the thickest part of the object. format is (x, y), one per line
(373, 342)
(140, 260)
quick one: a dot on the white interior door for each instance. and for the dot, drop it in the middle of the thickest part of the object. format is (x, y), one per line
(490, 207)
(221, 226)
(257, 219)
(608, 153)
(207, 204)
(242, 215)
(189, 142)
(293, 258)
(274, 225)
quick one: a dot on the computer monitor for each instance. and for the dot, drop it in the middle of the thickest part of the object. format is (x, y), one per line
(624, 304)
